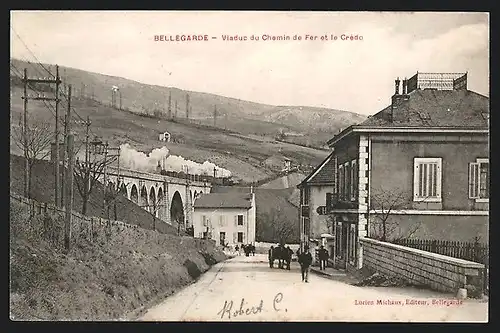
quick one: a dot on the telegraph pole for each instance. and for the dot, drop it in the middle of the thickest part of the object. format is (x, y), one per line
(57, 138)
(67, 123)
(215, 115)
(170, 104)
(25, 134)
(187, 105)
(105, 173)
(57, 81)
(69, 192)
(175, 111)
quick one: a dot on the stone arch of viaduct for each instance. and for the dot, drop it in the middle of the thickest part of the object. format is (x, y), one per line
(161, 195)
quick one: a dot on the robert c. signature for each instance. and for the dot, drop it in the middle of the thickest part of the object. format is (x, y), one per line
(245, 309)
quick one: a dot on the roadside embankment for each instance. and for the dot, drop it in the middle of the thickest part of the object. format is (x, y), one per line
(106, 278)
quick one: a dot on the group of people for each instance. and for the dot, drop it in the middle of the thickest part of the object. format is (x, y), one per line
(246, 248)
(284, 256)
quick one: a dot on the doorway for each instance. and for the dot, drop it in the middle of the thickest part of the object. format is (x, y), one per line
(222, 238)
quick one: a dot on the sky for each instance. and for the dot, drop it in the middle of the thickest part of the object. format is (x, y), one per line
(352, 75)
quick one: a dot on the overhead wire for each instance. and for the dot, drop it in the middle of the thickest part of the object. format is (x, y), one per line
(61, 93)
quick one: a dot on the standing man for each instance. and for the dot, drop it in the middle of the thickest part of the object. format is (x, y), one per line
(271, 259)
(289, 253)
(237, 249)
(323, 258)
(305, 260)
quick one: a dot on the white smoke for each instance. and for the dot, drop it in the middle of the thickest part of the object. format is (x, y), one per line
(135, 160)
(178, 164)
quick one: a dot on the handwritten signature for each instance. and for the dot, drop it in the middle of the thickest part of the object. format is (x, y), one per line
(245, 309)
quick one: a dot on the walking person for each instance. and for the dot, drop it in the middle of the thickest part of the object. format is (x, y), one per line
(289, 254)
(305, 260)
(323, 258)
(237, 249)
(270, 256)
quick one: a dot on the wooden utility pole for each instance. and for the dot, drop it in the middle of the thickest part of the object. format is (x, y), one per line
(67, 122)
(56, 193)
(57, 81)
(69, 192)
(187, 106)
(225, 122)
(170, 104)
(105, 173)
(175, 111)
(25, 134)
(215, 115)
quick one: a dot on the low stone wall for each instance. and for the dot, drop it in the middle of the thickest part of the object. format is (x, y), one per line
(419, 267)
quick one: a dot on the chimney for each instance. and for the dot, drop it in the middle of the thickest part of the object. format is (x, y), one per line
(396, 92)
(158, 167)
(398, 101)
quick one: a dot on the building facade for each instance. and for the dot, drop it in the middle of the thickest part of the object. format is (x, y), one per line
(418, 168)
(313, 192)
(227, 218)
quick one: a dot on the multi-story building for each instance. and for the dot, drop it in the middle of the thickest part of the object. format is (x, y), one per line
(313, 191)
(227, 218)
(418, 168)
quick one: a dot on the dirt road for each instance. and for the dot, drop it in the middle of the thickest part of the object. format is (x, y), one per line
(246, 289)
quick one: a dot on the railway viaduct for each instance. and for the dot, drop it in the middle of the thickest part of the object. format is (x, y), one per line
(168, 198)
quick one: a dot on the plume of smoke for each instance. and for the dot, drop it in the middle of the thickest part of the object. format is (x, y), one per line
(135, 160)
(179, 164)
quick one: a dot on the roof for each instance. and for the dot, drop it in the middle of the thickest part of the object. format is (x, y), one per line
(224, 200)
(436, 108)
(428, 110)
(323, 173)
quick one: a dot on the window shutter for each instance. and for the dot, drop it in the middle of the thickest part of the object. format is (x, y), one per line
(438, 179)
(236, 220)
(235, 237)
(474, 180)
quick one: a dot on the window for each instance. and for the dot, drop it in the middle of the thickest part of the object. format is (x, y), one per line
(305, 196)
(347, 181)
(427, 179)
(222, 220)
(240, 237)
(341, 182)
(240, 219)
(354, 180)
(479, 180)
(204, 220)
(222, 238)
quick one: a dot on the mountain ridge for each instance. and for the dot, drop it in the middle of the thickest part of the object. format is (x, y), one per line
(262, 119)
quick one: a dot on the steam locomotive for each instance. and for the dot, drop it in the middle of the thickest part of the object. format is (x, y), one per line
(223, 181)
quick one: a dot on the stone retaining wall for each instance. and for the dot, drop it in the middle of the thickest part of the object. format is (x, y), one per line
(419, 267)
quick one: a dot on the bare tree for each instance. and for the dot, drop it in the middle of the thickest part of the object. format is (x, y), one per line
(385, 203)
(34, 141)
(87, 175)
(275, 227)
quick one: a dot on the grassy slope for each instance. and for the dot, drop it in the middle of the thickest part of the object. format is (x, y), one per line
(238, 153)
(103, 280)
(242, 116)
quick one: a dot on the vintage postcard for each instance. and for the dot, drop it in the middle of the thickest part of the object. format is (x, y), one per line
(249, 166)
